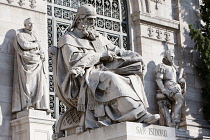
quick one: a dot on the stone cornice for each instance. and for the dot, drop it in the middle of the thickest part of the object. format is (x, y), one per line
(33, 5)
(139, 17)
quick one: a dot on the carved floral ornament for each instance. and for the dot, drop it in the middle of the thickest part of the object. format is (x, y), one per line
(10, 1)
(22, 2)
(157, 1)
(158, 33)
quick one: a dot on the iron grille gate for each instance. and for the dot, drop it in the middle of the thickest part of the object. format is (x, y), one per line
(111, 22)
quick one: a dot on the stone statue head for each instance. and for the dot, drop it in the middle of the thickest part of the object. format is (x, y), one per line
(28, 23)
(85, 21)
(84, 11)
(169, 55)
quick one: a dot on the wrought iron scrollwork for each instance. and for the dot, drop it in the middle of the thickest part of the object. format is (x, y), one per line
(66, 3)
(58, 12)
(49, 10)
(50, 36)
(114, 39)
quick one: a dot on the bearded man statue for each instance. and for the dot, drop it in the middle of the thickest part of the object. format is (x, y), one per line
(101, 77)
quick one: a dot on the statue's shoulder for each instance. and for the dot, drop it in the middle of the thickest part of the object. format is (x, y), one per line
(71, 39)
(68, 38)
(161, 68)
(20, 32)
(23, 33)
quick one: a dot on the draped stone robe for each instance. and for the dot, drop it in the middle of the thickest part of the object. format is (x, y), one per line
(30, 87)
(100, 92)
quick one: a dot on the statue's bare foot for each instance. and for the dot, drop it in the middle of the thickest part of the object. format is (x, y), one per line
(151, 118)
(79, 130)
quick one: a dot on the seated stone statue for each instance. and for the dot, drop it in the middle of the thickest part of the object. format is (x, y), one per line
(30, 88)
(97, 78)
(171, 91)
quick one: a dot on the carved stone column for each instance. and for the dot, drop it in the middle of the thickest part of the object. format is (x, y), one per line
(32, 125)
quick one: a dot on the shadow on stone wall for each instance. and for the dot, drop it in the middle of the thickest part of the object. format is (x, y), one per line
(151, 87)
(190, 15)
(6, 82)
(7, 44)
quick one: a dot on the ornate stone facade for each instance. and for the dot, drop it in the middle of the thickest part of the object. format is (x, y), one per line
(163, 20)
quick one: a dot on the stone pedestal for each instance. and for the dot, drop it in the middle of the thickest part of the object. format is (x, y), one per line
(182, 134)
(126, 131)
(32, 125)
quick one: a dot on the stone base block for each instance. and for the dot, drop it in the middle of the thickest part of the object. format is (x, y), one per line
(126, 131)
(182, 134)
(32, 125)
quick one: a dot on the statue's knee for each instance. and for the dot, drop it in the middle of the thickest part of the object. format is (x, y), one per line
(161, 96)
(179, 98)
(108, 75)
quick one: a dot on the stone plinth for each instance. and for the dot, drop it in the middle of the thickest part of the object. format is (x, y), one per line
(126, 131)
(182, 134)
(32, 125)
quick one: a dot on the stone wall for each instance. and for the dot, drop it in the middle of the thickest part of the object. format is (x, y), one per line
(12, 16)
(168, 21)
(189, 14)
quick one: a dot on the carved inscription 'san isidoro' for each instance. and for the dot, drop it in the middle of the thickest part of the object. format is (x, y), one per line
(151, 131)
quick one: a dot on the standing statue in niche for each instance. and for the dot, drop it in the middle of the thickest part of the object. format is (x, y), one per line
(171, 91)
(100, 77)
(30, 89)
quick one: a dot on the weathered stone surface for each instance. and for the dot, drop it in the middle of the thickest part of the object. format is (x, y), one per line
(6, 61)
(6, 94)
(6, 77)
(5, 126)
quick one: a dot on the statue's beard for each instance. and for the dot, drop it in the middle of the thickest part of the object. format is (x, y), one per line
(90, 32)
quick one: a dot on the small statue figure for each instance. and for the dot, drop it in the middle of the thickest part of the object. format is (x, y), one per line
(100, 76)
(171, 91)
(30, 90)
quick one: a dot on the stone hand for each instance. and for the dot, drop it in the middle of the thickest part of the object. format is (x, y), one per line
(165, 92)
(182, 82)
(108, 56)
(42, 56)
(143, 65)
(38, 43)
(77, 71)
